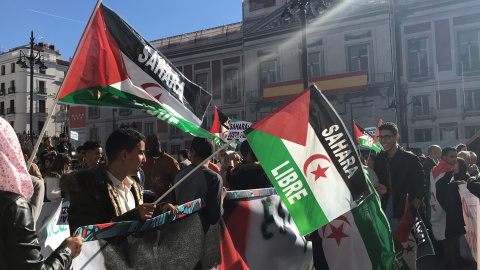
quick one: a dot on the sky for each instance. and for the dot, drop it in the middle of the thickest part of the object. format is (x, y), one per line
(61, 22)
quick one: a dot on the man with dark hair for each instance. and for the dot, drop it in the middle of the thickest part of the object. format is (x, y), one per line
(203, 183)
(79, 162)
(160, 168)
(63, 146)
(461, 147)
(93, 153)
(109, 194)
(183, 159)
(400, 173)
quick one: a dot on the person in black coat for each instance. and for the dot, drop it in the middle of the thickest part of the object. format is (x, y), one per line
(449, 199)
(248, 174)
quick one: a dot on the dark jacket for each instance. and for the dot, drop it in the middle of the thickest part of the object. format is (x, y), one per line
(473, 185)
(449, 199)
(19, 247)
(94, 200)
(427, 169)
(407, 178)
(248, 176)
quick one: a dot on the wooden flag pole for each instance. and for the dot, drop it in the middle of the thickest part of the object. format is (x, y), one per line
(198, 166)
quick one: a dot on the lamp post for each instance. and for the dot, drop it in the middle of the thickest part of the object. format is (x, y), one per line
(304, 8)
(22, 63)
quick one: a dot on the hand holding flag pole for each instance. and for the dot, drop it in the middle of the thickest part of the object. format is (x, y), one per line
(223, 147)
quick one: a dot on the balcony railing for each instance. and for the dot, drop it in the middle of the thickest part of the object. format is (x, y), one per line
(254, 95)
(41, 110)
(422, 113)
(232, 98)
(381, 77)
(467, 68)
(415, 74)
(41, 90)
(11, 110)
(11, 90)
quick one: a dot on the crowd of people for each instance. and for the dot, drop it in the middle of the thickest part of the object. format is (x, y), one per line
(134, 172)
(432, 185)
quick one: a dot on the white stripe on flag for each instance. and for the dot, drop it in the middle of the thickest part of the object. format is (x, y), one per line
(331, 193)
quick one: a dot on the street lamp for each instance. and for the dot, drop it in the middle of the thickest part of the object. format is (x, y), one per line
(22, 63)
(395, 105)
(305, 8)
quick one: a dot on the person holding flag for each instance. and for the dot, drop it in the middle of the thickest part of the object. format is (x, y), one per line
(400, 173)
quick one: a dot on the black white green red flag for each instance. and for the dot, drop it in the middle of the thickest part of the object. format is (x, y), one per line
(310, 159)
(364, 139)
(115, 66)
(221, 125)
(375, 140)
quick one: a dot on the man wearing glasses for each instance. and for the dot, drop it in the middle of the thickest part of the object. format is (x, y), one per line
(400, 173)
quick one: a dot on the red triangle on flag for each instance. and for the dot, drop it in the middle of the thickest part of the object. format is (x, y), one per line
(98, 60)
(289, 121)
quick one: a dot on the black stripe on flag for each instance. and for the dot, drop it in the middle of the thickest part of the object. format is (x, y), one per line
(323, 118)
(132, 45)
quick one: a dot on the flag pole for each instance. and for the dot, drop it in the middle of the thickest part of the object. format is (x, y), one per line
(54, 106)
(198, 166)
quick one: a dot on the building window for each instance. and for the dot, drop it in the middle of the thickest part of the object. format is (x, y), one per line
(94, 133)
(93, 112)
(268, 72)
(424, 108)
(470, 131)
(472, 100)
(11, 110)
(42, 89)
(202, 80)
(2, 108)
(41, 107)
(447, 99)
(174, 149)
(12, 67)
(314, 68)
(260, 4)
(358, 57)
(124, 112)
(448, 131)
(12, 124)
(418, 58)
(2, 88)
(231, 86)
(148, 128)
(174, 130)
(3, 70)
(468, 50)
(40, 125)
(11, 89)
(423, 135)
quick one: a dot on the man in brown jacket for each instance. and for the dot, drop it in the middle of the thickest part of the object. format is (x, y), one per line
(160, 168)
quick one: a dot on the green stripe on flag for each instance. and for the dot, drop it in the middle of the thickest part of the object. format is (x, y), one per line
(304, 208)
(375, 230)
(111, 96)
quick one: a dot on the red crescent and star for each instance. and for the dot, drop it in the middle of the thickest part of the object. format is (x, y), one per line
(319, 172)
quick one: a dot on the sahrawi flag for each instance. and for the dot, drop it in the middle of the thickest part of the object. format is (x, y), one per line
(357, 240)
(375, 140)
(221, 125)
(364, 139)
(310, 159)
(115, 66)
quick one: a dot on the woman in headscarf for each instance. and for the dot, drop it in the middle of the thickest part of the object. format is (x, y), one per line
(19, 248)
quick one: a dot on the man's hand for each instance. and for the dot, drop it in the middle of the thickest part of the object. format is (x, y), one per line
(169, 207)
(146, 210)
(381, 189)
(75, 244)
(417, 203)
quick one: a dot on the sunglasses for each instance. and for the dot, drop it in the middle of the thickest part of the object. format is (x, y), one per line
(385, 137)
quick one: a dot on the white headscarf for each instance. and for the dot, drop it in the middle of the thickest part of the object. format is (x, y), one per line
(14, 176)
